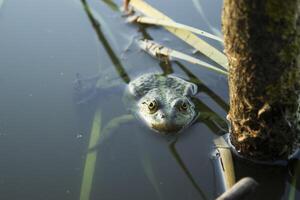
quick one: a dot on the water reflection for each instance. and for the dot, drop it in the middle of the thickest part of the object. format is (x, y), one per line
(114, 58)
(180, 162)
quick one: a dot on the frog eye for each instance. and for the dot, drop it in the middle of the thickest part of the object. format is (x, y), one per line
(183, 106)
(152, 106)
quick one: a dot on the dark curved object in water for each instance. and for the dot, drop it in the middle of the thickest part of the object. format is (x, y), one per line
(242, 190)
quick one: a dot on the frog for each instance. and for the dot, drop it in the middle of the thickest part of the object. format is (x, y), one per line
(162, 102)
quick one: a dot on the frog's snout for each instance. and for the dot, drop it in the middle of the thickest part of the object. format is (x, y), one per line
(162, 116)
(163, 122)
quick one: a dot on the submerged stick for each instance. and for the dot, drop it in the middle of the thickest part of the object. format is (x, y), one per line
(126, 5)
(168, 23)
(241, 190)
(158, 51)
(90, 162)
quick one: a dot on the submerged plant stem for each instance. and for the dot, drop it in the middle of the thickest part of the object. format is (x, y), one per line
(115, 60)
(185, 169)
(90, 162)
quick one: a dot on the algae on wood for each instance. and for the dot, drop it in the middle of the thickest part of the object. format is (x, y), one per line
(262, 44)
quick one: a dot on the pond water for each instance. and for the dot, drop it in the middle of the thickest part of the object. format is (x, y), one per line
(45, 130)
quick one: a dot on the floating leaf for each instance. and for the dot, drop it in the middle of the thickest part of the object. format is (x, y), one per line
(157, 51)
(163, 22)
(185, 35)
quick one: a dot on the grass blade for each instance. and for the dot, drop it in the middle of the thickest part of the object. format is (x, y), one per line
(163, 22)
(157, 51)
(90, 162)
(185, 35)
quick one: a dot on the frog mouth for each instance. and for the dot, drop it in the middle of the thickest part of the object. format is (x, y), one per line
(166, 128)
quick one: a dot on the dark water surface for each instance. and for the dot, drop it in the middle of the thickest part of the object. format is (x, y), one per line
(44, 132)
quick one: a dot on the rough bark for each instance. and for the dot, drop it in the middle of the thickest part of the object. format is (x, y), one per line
(262, 43)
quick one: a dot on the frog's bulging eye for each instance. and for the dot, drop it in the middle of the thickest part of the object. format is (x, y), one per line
(183, 107)
(152, 106)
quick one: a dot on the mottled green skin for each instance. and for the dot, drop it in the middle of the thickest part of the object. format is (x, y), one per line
(170, 93)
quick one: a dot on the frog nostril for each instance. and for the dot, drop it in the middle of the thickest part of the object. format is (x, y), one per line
(163, 116)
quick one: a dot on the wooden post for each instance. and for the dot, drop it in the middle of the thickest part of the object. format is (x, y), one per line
(262, 41)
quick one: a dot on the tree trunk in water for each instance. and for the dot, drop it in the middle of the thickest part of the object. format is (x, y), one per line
(262, 43)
